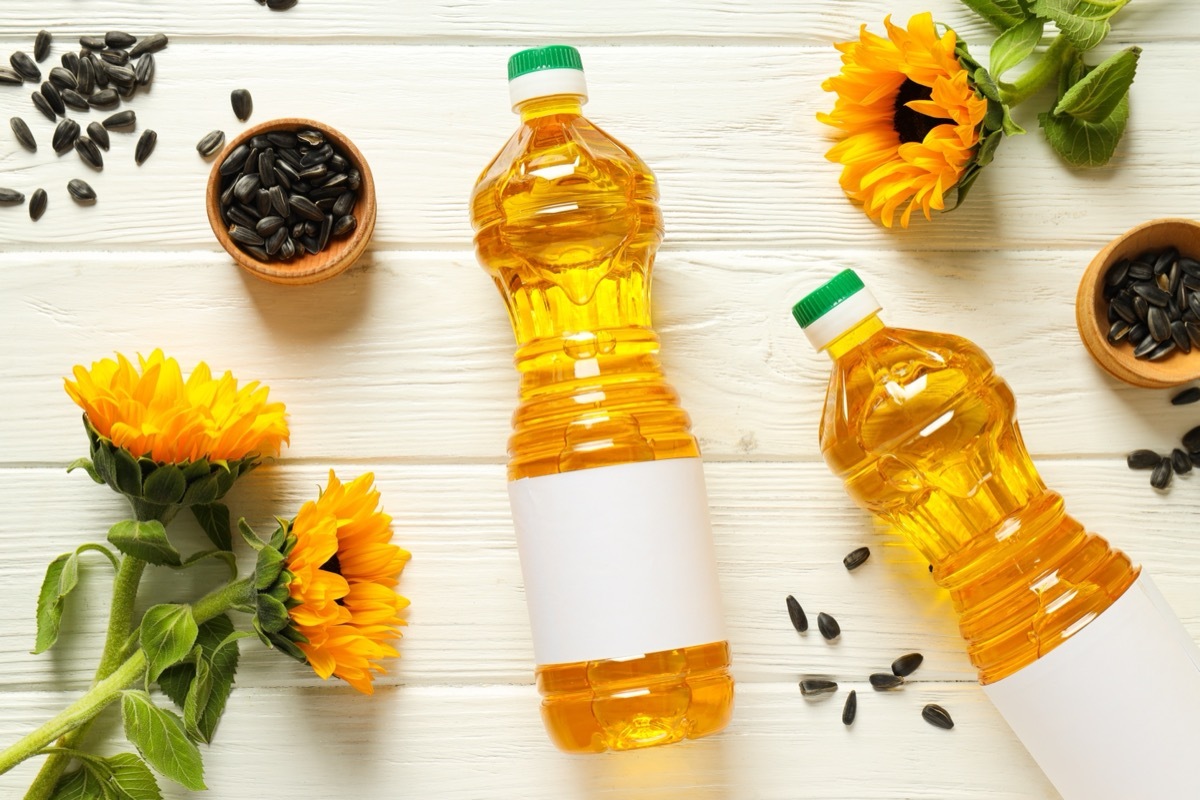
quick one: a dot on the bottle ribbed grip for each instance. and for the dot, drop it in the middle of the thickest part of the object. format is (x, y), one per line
(555, 56)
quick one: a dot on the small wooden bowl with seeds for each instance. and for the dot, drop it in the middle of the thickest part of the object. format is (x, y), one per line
(1170, 249)
(264, 206)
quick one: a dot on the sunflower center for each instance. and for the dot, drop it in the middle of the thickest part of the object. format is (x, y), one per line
(912, 126)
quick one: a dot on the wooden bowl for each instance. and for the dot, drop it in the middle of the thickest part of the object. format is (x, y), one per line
(1091, 309)
(306, 268)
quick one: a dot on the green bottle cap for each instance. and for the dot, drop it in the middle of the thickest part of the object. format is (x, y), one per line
(555, 56)
(823, 300)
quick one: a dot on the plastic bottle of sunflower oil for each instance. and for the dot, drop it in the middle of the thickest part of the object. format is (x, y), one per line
(1074, 645)
(605, 480)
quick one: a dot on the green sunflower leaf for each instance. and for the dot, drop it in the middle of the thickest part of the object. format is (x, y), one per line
(87, 466)
(250, 536)
(984, 83)
(167, 635)
(272, 615)
(132, 779)
(1014, 46)
(165, 485)
(83, 784)
(270, 564)
(62, 575)
(1083, 32)
(1096, 95)
(1086, 144)
(197, 700)
(214, 519)
(145, 540)
(1004, 14)
(217, 641)
(127, 473)
(160, 738)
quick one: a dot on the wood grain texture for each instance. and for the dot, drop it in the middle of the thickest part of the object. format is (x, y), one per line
(780, 529)
(733, 139)
(410, 354)
(466, 743)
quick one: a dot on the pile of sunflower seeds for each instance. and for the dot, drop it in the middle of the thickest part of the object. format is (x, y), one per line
(1154, 304)
(901, 668)
(106, 70)
(285, 193)
(1181, 460)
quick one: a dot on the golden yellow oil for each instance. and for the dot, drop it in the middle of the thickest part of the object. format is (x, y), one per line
(924, 434)
(567, 224)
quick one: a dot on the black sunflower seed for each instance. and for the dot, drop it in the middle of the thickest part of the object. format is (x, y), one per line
(797, 615)
(73, 99)
(144, 70)
(119, 39)
(41, 45)
(92, 42)
(850, 710)
(305, 208)
(1186, 397)
(1193, 332)
(211, 143)
(81, 190)
(886, 680)
(1123, 306)
(267, 226)
(344, 225)
(37, 204)
(343, 205)
(105, 98)
(280, 5)
(1165, 260)
(907, 664)
(10, 77)
(65, 135)
(10, 197)
(1145, 347)
(288, 250)
(1152, 294)
(287, 141)
(262, 200)
(246, 187)
(1143, 459)
(828, 626)
(234, 161)
(148, 44)
(42, 105)
(312, 138)
(121, 75)
(1118, 331)
(856, 558)
(25, 66)
(1180, 462)
(1161, 477)
(1160, 325)
(1180, 336)
(89, 152)
(1191, 440)
(244, 235)
(117, 58)
(145, 146)
(63, 78)
(323, 235)
(243, 104)
(98, 134)
(1162, 350)
(279, 203)
(23, 134)
(50, 92)
(937, 716)
(71, 62)
(275, 241)
(815, 686)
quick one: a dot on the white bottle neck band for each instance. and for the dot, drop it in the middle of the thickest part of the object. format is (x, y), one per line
(545, 83)
(841, 318)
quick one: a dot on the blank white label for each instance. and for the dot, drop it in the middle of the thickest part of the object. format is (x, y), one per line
(618, 561)
(1114, 712)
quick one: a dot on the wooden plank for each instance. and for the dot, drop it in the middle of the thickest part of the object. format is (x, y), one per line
(740, 160)
(779, 529)
(409, 356)
(457, 743)
(519, 23)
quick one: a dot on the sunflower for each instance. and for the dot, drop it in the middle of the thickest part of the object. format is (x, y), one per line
(337, 582)
(150, 411)
(910, 119)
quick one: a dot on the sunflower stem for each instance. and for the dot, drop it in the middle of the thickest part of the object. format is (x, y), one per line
(1041, 73)
(217, 602)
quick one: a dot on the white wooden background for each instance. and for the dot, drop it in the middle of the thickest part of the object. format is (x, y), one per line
(402, 366)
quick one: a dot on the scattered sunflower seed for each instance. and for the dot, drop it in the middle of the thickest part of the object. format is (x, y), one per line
(65, 135)
(37, 204)
(10, 77)
(856, 558)
(828, 626)
(89, 152)
(1180, 462)
(211, 143)
(1143, 459)
(148, 44)
(121, 119)
(815, 686)
(42, 105)
(98, 134)
(344, 225)
(119, 39)
(907, 664)
(71, 61)
(81, 190)
(1186, 397)
(1191, 440)
(41, 45)
(63, 78)
(243, 104)
(25, 66)
(73, 99)
(145, 69)
(850, 710)
(105, 98)
(23, 134)
(116, 58)
(937, 716)
(145, 146)
(243, 235)
(11, 197)
(886, 680)
(53, 98)
(1161, 477)
(797, 615)
(280, 5)
(92, 42)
